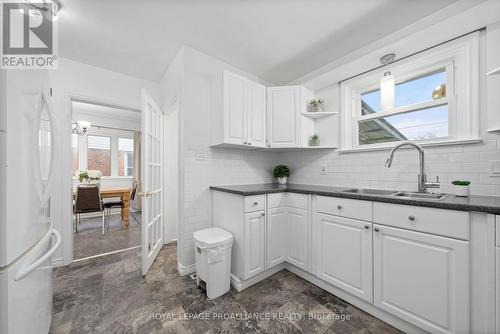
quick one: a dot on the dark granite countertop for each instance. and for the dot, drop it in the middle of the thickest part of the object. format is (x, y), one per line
(488, 204)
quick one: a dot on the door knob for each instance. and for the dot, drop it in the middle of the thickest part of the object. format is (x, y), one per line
(411, 218)
(367, 227)
(339, 207)
(376, 229)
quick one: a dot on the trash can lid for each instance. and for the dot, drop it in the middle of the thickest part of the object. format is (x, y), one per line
(212, 237)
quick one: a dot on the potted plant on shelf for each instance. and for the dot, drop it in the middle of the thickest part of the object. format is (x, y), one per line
(461, 188)
(314, 140)
(281, 172)
(315, 105)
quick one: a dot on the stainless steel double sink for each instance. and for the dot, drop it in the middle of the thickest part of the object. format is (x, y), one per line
(395, 193)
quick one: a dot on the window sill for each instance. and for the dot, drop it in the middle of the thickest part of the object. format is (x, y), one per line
(424, 144)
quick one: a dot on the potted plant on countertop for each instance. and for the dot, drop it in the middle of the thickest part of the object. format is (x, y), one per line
(315, 105)
(281, 172)
(314, 140)
(461, 188)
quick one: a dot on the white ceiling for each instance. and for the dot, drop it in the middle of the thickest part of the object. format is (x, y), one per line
(277, 40)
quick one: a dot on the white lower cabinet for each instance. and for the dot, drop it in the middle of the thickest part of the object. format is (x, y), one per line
(345, 254)
(422, 278)
(276, 236)
(255, 236)
(288, 237)
(298, 238)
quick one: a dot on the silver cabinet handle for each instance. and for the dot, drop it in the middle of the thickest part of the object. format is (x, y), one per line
(262, 214)
(249, 143)
(411, 218)
(376, 229)
(339, 206)
(245, 143)
(367, 227)
(255, 203)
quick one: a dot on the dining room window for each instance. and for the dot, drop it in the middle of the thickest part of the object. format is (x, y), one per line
(109, 150)
(99, 154)
(125, 156)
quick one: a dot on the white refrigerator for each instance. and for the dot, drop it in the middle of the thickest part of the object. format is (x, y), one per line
(27, 238)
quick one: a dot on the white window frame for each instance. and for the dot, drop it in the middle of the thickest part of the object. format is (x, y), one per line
(114, 134)
(459, 58)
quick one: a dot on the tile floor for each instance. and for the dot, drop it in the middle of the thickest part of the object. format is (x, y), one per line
(109, 295)
(89, 240)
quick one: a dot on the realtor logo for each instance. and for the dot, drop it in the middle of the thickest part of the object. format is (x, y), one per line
(29, 34)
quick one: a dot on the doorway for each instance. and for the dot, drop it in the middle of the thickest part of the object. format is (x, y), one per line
(106, 173)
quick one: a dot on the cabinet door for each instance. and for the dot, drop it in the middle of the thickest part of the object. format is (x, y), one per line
(298, 240)
(345, 254)
(283, 107)
(422, 278)
(234, 108)
(498, 285)
(256, 114)
(276, 236)
(254, 243)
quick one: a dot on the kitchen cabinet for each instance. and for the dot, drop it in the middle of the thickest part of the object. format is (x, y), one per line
(422, 278)
(255, 108)
(298, 238)
(497, 256)
(344, 253)
(276, 236)
(288, 230)
(244, 113)
(255, 229)
(284, 107)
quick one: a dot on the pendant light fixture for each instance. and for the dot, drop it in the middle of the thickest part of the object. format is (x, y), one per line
(387, 84)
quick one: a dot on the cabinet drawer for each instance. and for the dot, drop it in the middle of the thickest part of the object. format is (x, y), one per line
(345, 207)
(255, 203)
(450, 223)
(299, 201)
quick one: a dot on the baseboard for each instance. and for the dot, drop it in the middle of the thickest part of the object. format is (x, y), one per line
(359, 303)
(240, 285)
(186, 270)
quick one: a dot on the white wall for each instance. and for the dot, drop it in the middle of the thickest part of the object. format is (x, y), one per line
(201, 166)
(92, 84)
(366, 169)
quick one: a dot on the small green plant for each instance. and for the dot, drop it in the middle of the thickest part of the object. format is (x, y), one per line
(281, 170)
(460, 183)
(315, 136)
(316, 102)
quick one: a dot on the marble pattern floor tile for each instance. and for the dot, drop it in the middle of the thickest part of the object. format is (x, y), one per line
(89, 240)
(109, 295)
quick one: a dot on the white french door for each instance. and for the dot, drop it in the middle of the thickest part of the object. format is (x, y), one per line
(151, 180)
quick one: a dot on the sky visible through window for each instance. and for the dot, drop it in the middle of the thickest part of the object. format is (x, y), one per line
(422, 124)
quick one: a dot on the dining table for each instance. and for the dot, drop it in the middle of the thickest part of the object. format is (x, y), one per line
(123, 194)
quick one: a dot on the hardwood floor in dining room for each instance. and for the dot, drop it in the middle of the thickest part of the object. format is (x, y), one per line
(90, 242)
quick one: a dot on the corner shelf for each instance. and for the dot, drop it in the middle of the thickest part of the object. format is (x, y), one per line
(494, 71)
(318, 114)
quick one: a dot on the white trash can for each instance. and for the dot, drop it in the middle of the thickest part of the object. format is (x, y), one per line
(213, 260)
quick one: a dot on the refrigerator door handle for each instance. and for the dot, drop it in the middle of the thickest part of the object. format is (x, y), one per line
(27, 270)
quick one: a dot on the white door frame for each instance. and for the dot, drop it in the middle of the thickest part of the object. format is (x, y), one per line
(66, 185)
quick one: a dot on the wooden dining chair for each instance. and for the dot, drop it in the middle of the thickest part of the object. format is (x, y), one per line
(108, 205)
(88, 200)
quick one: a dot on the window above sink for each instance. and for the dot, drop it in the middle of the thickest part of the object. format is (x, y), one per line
(436, 96)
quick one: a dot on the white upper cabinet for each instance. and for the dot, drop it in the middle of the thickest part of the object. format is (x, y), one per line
(244, 111)
(234, 108)
(255, 114)
(284, 105)
(422, 278)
